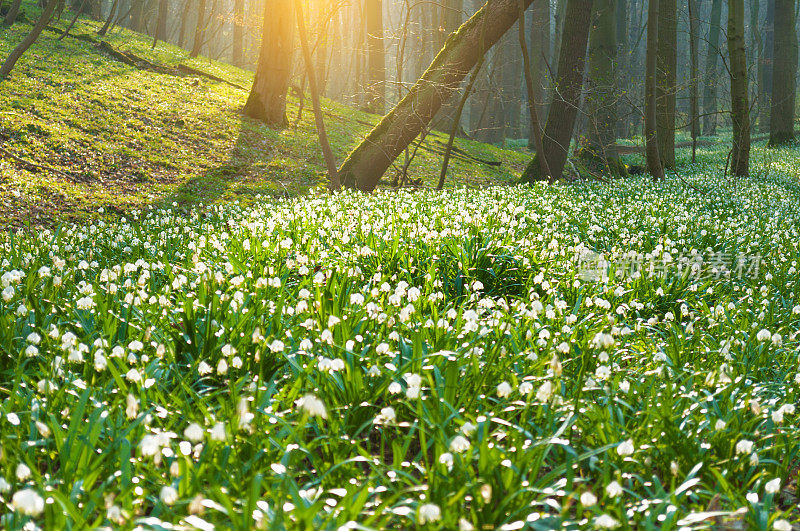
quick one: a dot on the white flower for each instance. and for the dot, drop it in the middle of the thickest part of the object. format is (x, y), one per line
(312, 405)
(588, 499)
(545, 391)
(193, 432)
(625, 448)
(719, 425)
(388, 414)
(782, 525)
(429, 513)
(133, 376)
(525, 388)
(8, 294)
(28, 501)
(23, 472)
(504, 389)
(605, 521)
(447, 460)
(459, 444)
(276, 346)
(465, 525)
(468, 428)
(773, 486)
(218, 432)
(764, 335)
(168, 495)
(135, 346)
(614, 489)
(744, 447)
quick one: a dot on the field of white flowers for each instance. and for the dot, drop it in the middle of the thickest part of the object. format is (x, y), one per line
(410, 360)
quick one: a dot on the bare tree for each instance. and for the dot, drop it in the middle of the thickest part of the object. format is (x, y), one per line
(27, 42)
(740, 108)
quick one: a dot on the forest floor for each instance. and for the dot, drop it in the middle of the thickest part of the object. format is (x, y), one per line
(81, 130)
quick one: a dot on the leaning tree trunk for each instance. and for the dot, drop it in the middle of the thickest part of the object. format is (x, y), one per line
(13, 12)
(200, 29)
(651, 133)
(566, 92)
(27, 42)
(740, 108)
(784, 75)
(464, 48)
(376, 61)
(267, 100)
(765, 68)
(111, 14)
(237, 52)
(601, 91)
(666, 80)
(712, 59)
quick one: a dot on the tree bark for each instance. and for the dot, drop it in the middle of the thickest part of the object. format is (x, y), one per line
(601, 91)
(267, 100)
(376, 61)
(651, 131)
(740, 108)
(161, 22)
(694, 110)
(539, 57)
(111, 14)
(27, 42)
(765, 63)
(464, 48)
(666, 80)
(530, 85)
(711, 71)
(13, 12)
(784, 75)
(200, 29)
(237, 53)
(566, 91)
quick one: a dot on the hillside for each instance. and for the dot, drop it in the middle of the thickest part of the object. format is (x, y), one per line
(121, 137)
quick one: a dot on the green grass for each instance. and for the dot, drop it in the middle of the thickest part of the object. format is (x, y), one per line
(135, 138)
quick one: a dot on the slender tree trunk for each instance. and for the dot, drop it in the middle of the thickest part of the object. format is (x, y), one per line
(539, 58)
(102, 31)
(784, 76)
(368, 162)
(740, 108)
(267, 100)
(623, 77)
(27, 42)
(601, 90)
(566, 92)
(765, 65)
(666, 80)
(161, 22)
(376, 61)
(651, 131)
(200, 29)
(694, 111)
(712, 71)
(73, 21)
(237, 54)
(187, 10)
(13, 12)
(530, 85)
(330, 162)
(449, 20)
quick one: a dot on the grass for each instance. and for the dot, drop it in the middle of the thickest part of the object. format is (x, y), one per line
(133, 138)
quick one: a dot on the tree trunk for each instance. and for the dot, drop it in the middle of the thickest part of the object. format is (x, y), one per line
(200, 30)
(13, 12)
(111, 14)
(376, 60)
(711, 72)
(765, 65)
(237, 53)
(267, 100)
(784, 75)
(449, 21)
(539, 58)
(566, 92)
(740, 108)
(622, 73)
(187, 9)
(27, 42)
(651, 131)
(601, 91)
(530, 85)
(694, 110)
(464, 48)
(666, 80)
(161, 22)
(511, 85)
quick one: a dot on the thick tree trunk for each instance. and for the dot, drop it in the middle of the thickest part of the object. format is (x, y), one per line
(651, 132)
(200, 29)
(601, 91)
(27, 42)
(784, 75)
(376, 60)
(694, 109)
(530, 85)
(711, 72)
(740, 108)
(566, 91)
(13, 12)
(368, 162)
(267, 100)
(237, 53)
(765, 63)
(666, 80)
